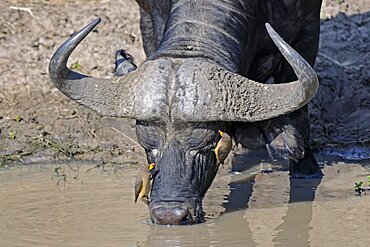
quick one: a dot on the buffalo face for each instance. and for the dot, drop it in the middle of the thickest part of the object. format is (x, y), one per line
(185, 168)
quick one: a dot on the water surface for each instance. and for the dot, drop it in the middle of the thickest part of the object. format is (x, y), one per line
(82, 205)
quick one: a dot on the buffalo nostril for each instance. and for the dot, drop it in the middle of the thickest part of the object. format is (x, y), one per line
(170, 216)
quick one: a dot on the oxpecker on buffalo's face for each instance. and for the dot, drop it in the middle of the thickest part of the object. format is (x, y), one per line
(195, 82)
(142, 183)
(223, 147)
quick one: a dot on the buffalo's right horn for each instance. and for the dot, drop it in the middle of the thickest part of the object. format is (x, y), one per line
(217, 94)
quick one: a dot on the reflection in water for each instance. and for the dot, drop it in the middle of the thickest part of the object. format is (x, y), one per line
(231, 229)
(239, 195)
(244, 167)
(178, 236)
(295, 227)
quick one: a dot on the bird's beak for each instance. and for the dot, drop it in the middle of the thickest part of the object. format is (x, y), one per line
(151, 166)
(221, 133)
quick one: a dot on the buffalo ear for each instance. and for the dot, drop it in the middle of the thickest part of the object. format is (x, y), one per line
(124, 63)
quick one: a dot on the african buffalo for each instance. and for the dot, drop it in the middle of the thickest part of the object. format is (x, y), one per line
(211, 65)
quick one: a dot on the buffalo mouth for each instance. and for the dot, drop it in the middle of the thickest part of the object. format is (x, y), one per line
(176, 212)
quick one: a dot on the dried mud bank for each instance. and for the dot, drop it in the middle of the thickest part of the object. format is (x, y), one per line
(341, 109)
(38, 123)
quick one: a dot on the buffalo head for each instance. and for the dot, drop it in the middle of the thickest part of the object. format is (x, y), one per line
(180, 103)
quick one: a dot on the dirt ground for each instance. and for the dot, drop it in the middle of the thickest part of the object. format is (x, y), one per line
(38, 123)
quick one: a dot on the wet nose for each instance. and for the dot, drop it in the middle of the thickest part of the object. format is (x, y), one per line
(170, 216)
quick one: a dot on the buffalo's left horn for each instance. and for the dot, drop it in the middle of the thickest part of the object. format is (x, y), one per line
(109, 97)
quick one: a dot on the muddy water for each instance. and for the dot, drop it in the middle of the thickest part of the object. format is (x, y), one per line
(83, 205)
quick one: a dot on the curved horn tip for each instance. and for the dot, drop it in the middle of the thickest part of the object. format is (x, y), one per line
(58, 62)
(80, 35)
(272, 33)
(268, 27)
(94, 22)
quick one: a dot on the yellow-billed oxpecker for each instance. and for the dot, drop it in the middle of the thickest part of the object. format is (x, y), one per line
(223, 147)
(142, 183)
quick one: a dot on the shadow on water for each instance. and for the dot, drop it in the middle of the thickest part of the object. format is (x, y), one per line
(245, 166)
(241, 185)
(300, 191)
(295, 227)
